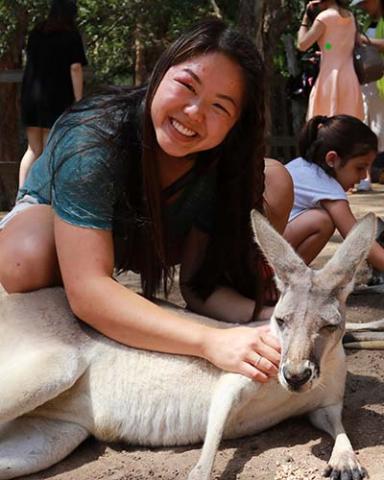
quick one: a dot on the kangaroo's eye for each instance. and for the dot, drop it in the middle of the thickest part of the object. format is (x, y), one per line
(331, 328)
(280, 322)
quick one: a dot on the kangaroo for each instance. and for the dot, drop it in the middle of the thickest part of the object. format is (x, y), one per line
(62, 381)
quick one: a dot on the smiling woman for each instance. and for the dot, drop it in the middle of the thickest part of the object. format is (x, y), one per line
(146, 178)
(197, 103)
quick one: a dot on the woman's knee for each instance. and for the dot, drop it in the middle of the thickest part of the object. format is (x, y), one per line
(26, 266)
(28, 258)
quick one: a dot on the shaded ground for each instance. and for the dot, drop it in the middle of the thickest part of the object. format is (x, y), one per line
(293, 450)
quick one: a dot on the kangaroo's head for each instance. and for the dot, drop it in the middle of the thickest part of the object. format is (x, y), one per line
(309, 317)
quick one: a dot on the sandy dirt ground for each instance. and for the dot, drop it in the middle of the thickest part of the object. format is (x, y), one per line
(293, 450)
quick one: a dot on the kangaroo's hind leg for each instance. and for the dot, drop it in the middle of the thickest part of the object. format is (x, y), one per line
(31, 444)
(29, 379)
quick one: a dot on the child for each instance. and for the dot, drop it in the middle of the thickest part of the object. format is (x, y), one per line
(336, 153)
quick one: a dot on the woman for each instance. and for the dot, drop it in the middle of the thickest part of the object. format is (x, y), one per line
(146, 178)
(53, 77)
(336, 90)
(373, 93)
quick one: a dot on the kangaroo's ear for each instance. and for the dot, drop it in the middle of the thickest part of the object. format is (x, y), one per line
(281, 256)
(340, 270)
(3, 292)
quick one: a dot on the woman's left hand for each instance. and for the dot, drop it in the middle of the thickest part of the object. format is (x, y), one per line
(253, 352)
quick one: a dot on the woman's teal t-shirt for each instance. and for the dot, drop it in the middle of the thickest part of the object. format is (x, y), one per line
(76, 176)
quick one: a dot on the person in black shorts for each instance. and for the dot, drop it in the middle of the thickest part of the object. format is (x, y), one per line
(53, 76)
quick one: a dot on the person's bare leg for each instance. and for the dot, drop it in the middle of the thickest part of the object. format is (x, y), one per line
(309, 232)
(45, 136)
(278, 201)
(37, 138)
(28, 259)
(278, 194)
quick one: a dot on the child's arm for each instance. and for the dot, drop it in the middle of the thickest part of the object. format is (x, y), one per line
(344, 220)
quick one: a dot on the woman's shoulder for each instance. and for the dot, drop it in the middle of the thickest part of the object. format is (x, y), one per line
(332, 15)
(107, 111)
(326, 15)
(75, 133)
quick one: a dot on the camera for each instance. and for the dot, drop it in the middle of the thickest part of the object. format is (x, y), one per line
(313, 10)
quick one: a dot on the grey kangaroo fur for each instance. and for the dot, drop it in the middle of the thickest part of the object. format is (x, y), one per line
(62, 381)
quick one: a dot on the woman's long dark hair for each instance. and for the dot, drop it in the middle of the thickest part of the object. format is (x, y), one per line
(138, 219)
(348, 136)
(61, 17)
(239, 159)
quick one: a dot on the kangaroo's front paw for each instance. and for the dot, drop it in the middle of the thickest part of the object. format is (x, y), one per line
(345, 467)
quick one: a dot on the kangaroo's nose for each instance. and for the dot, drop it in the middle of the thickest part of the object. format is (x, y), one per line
(297, 378)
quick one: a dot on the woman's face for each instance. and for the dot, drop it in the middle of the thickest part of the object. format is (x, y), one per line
(197, 103)
(353, 171)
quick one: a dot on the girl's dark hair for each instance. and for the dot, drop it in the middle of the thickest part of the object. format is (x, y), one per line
(138, 219)
(348, 136)
(61, 17)
(315, 10)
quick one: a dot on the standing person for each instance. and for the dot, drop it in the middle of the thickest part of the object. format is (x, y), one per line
(336, 152)
(373, 93)
(337, 89)
(146, 178)
(53, 77)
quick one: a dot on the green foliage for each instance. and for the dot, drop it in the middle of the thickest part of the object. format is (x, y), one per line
(15, 12)
(112, 29)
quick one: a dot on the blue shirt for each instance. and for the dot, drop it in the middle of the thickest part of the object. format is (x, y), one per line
(76, 176)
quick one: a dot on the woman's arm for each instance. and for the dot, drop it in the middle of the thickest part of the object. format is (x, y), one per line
(344, 220)
(77, 80)
(86, 261)
(377, 42)
(278, 194)
(308, 35)
(224, 303)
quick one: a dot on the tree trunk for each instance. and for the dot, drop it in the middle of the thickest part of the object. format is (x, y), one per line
(265, 21)
(10, 115)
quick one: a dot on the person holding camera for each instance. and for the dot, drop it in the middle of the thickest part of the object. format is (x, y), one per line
(333, 27)
(373, 92)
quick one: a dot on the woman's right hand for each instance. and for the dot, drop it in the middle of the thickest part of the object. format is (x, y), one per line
(312, 5)
(253, 352)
